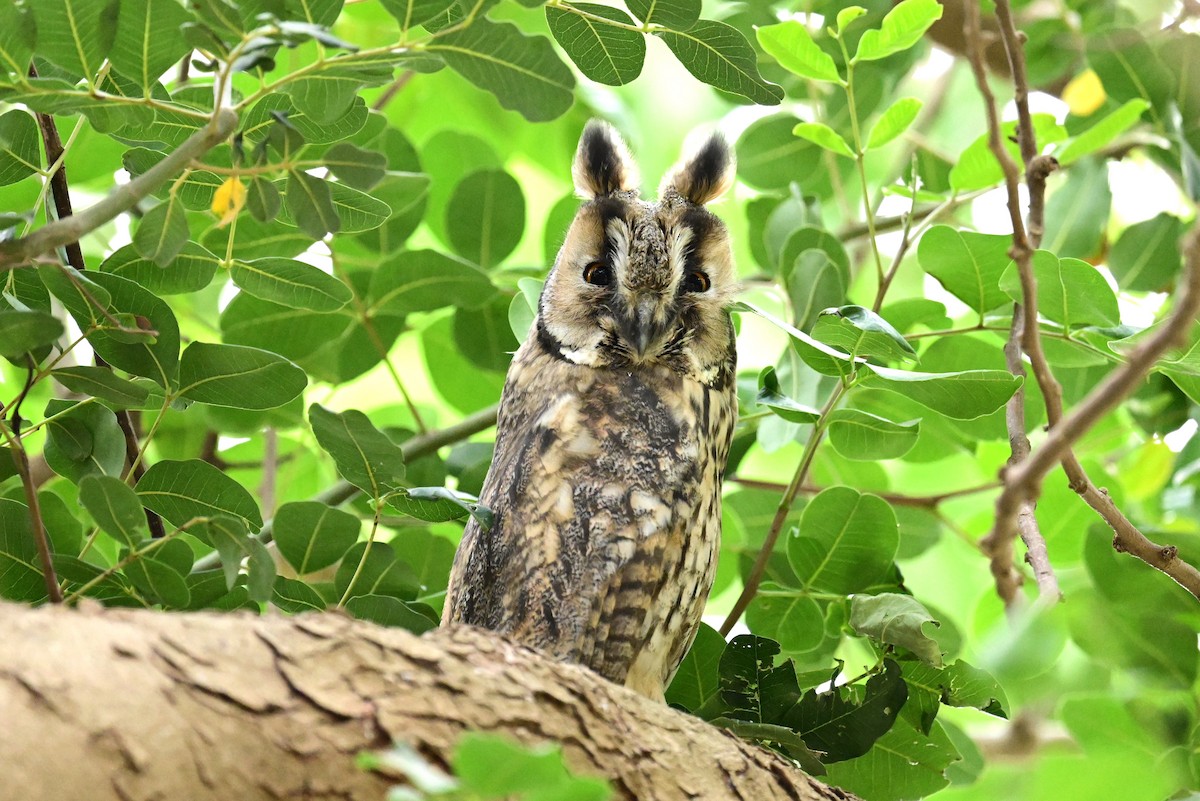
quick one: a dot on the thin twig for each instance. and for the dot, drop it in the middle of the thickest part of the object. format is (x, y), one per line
(36, 522)
(415, 448)
(1024, 330)
(896, 499)
(394, 88)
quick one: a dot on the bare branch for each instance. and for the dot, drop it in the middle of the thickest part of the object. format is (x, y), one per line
(1024, 480)
(1024, 323)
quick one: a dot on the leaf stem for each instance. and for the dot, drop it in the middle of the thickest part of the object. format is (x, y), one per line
(754, 579)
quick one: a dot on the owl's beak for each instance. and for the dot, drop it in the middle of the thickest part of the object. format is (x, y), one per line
(644, 330)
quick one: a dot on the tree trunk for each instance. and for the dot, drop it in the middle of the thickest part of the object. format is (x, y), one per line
(130, 705)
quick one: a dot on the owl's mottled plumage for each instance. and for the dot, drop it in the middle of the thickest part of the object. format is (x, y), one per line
(613, 431)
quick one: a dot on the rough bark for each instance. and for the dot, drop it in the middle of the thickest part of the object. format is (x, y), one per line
(131, 705)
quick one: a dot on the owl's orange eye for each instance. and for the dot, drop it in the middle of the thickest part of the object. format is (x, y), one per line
(696, 281)
(597, 273)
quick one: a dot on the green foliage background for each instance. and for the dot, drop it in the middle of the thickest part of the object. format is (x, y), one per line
(300, 331)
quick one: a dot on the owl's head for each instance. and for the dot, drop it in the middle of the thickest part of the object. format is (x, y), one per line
(639, 283)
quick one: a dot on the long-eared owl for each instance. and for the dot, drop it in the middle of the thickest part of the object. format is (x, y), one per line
(613, 431)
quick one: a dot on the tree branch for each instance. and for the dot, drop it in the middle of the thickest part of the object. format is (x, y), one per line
(16, 252)
(306, 694)
(414, 448)
(1022, 479)
(1024, 322)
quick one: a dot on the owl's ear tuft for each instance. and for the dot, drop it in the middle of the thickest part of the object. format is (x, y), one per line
(704, 174)
(603, 165)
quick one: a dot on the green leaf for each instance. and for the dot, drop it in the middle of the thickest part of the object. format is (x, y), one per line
(961, 395)
(18, 32)
(439, 504)
(868, 437)
(75, 34)
(292, 333)
(967, 264)
(861, 332)
(423, 280)
(83, 439)
(361, 169)
(149, 39)
(324, 98)
(238, 377)
(678, 15)
(698, 678)
(825, 137)
(902, 28)
(792, 618)
(847, 16)
(769, 156)
(373, 569)
(486, 217)
(192, 270)
(1103, 132)
(816, 354)
(312, 535)
(158, 581)
(846, 541)
(21, 577)
(904, 764)
(1077, 212)
(410, 13)
(895, 121)
(843, 729)
(162, 233)
(747, 675)
(310, 204)
(772, 397)
(779, 737)
(20, 154)
(290, 283)
(182, 490)
(102, 383)
(966, 685)
(115, 507)
(523, 72)
(263, 199)
(605, 53)
(490, 766)
(23, 332)
(523, 309)
(977, 167)
(295, 597)
(388, 611)
(363, 454)
(720, 56)
(896, 619)
(354, 211)
(407, 195)
(793, 47)
(229, 537)
(484, 335)
(1147, 258)
(260, 571)
(1069, 291)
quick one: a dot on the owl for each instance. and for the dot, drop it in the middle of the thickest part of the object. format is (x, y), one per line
(614, 427)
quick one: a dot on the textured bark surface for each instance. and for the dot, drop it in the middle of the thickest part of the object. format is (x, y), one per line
(133, 705)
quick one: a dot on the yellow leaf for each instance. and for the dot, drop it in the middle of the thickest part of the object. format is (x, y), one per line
(228, 200)
(1084, 94)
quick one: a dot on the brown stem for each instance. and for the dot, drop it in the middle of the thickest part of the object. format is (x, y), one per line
(21, 462)
(896, 499)
(1024, 330)
(61, 192)
(393, 89)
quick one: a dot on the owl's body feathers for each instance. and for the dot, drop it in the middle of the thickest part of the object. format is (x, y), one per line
(613, 432)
